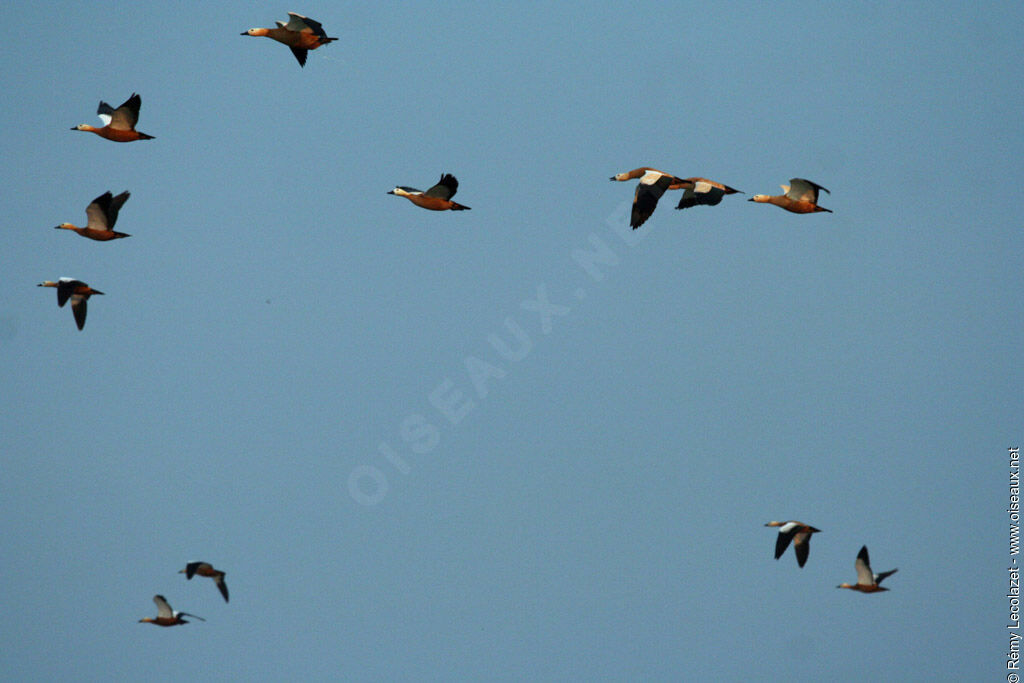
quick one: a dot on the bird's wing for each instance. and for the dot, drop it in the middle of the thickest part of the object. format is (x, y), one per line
(863, 566)
(162, 608)
(98, 212)
(221, 586)
(297, 22)
(105, 111)
(881, 577)
(305, 23)
(300, 54)
(127, 115)
(115, 206)
(79, 306)
(445, 188)
(65, 287)
(802, 547)
(786, 533)
(803, 190)
(645, 199)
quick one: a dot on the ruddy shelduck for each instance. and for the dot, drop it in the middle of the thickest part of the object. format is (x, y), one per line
(206, 569)
(652, 185)
(301, 34)
(866, 581)
(437, 198)
(102, 214)
(704, 192)
(118, 124)
(800, 196)
(77, 291)
(165, 616)
(797, 532)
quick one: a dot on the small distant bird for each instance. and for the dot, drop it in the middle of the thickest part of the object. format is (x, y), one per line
(866, 581)
(437, 198)
(704, 192)
(653, 184)
(118, 124)
(300, 34)
(77, 291)
(797, 532)
(801, 196)
(165, 616)
(102, 214)
(206, 569)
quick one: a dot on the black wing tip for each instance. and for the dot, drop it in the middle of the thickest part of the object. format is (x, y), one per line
(300, 54)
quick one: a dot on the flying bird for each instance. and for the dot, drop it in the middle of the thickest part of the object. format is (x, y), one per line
(866, 581)
(165, 616)
(301, 34)
(652, 185)
(118, 124)
(800, 196)
(102, 214)
(797, 532)
(704, 192)
(206, 569)
(77, 291)
(437, 198)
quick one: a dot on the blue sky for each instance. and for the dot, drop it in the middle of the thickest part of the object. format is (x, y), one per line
(597, 512)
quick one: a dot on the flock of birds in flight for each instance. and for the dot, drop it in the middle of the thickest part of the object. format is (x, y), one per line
(800, 535)
(302, 34)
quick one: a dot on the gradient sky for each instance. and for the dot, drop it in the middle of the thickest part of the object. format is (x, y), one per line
(279, 329)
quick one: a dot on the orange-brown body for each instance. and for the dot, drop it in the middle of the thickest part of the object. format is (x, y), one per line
(784, 202)
(434, 203)
(305, 39)
(114, 134)
(98, 235)
(874, 588)
(163, 621)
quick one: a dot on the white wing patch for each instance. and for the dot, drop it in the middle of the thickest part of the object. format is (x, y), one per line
(650, 177)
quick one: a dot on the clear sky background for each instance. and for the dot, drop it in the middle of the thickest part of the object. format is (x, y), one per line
(598, 513)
